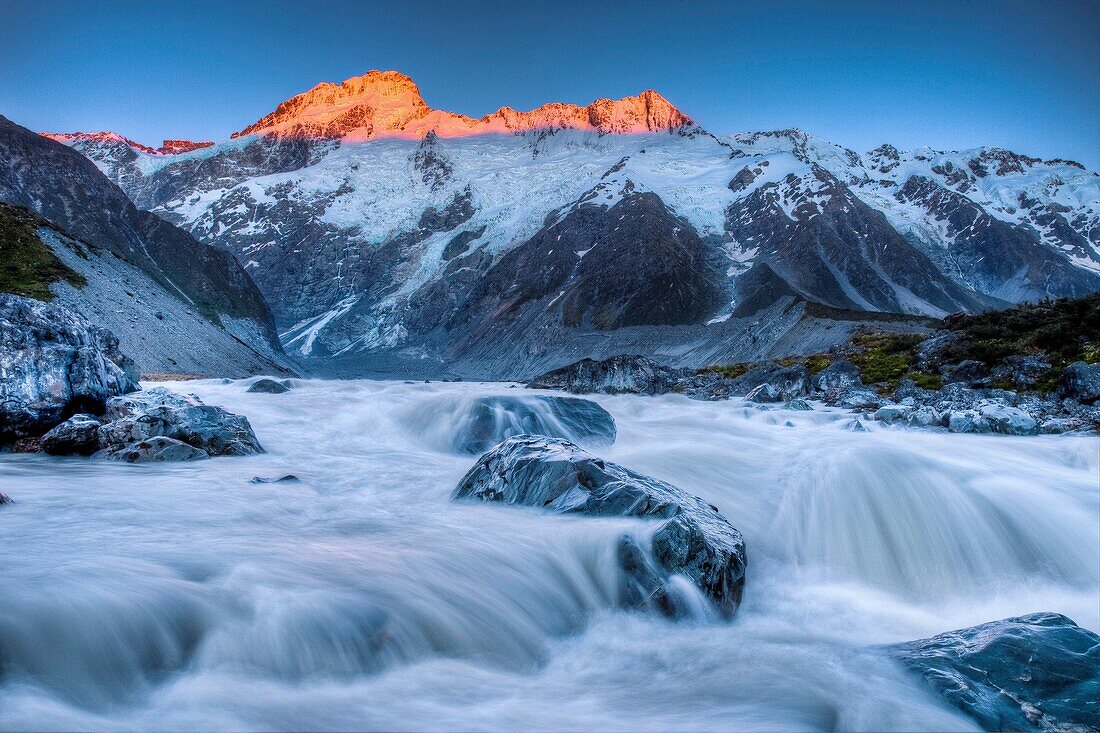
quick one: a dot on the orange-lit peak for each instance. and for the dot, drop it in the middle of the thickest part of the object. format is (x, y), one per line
(388, 104)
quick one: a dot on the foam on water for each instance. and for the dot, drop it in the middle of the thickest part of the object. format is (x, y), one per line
(185, 597)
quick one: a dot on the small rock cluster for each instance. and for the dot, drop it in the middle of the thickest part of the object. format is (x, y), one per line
(154, 425)
(67, 389)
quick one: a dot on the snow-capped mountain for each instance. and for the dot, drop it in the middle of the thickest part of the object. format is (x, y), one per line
(380, 228)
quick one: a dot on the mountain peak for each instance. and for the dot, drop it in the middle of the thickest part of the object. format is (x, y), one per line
(389, 104)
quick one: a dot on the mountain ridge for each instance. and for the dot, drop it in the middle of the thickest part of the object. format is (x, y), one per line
(399, 245)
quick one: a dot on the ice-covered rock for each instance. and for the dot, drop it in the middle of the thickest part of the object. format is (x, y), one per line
(54, 363)
(694, 540)
(79, 435)
(1039, 672)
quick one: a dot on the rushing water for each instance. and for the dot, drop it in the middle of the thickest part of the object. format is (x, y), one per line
(185, 597)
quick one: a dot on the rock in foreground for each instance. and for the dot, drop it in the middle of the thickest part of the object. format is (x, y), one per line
(1039, 672)
(54, 363)
(695, 540)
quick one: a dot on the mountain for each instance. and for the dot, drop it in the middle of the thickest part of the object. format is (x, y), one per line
(387, 234)
(176, 304)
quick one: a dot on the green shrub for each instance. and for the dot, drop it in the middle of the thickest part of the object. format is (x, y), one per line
(27, 264)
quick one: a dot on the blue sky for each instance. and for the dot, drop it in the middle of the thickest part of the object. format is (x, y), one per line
(1022, 75)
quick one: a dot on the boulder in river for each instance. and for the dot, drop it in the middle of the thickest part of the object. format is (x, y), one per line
(159, 412)
(54, 363)
(79, 435)
(5, 499)
(1039, 672)
(489, 420)
(159, 448)
(694, 540)
(268, 386)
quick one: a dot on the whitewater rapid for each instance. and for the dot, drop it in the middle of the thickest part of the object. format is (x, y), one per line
(182, 596)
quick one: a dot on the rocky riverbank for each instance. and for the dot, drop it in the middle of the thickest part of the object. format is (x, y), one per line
(67, 389)
(1029, 370)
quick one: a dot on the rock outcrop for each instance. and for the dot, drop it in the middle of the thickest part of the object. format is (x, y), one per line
(1039, 672)
(617, 375)
(54, 364)
(1081, 382)
(159, 412)
(694, 540)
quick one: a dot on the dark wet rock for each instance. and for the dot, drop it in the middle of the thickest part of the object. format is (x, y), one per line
(1039, 672)
(53, 364)
(694, 540)
(79, 435)
(287, 479)
(773, 383)
(841, 374)
(5, 499)
(489, 420)
(157, 449)
(268, 386)
(908, 390)
(930, 353)
(1022, 371)
(160, 412)
(970, 372)
(615, 375)
(1081, 382)
(800, 405)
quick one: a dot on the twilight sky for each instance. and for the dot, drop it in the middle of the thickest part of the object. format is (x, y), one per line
(1021, 75)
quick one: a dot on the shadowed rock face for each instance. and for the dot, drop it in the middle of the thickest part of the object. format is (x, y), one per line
(63, 186)
(53, 364)
(1021, 269)
(1039, 672)
(631, 264)
(834, 249)
(694, 540)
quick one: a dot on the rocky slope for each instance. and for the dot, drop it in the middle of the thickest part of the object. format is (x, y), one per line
(387, 233)
(176, 304)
